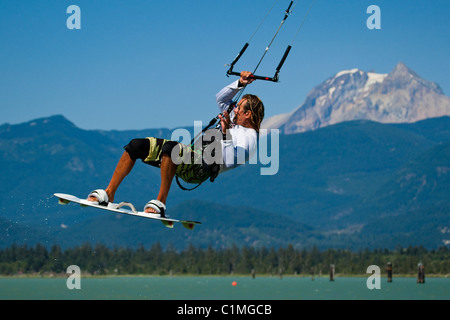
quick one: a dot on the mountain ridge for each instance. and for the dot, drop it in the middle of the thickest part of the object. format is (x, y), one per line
(401, 96)
(338, 186)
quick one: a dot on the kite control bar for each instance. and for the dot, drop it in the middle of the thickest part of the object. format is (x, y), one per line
(275, 78)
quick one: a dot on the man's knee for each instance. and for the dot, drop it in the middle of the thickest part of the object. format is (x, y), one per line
(169, 147)
(138, 149)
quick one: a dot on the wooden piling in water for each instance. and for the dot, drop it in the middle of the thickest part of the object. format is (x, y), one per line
(389, 271)
(421, 273)
(332, 270)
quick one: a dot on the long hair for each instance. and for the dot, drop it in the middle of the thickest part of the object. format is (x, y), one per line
(256, 106)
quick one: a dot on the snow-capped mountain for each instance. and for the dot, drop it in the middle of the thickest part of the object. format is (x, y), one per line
(398, 97)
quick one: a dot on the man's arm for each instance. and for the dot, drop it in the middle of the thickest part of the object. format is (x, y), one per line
(225, 96)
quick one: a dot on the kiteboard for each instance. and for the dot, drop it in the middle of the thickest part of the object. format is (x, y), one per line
(121, 208)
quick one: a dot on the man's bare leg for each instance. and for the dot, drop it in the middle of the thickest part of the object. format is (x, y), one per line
(168, 169)
(123, 168)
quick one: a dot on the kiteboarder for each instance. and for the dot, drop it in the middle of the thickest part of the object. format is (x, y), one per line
(239, 132)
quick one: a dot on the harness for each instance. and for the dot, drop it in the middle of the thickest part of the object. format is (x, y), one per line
(203, 171)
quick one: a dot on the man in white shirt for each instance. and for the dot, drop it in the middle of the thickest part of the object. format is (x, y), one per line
(239, 144)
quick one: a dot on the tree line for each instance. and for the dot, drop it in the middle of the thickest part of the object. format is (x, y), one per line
(156, 260)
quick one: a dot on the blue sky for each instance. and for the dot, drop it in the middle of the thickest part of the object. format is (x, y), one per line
(149, 64)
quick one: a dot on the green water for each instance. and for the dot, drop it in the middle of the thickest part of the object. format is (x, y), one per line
(221, 288)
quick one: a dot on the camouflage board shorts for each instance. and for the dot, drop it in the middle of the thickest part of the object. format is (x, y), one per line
(191, 167)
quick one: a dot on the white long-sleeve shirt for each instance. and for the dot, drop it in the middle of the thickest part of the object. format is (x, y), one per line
(243, 145)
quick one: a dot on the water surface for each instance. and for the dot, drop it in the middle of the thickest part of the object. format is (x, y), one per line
(222, 288)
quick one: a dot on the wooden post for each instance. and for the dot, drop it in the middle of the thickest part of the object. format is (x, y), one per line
(421, 273)
(389, 271)
(332, 269)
